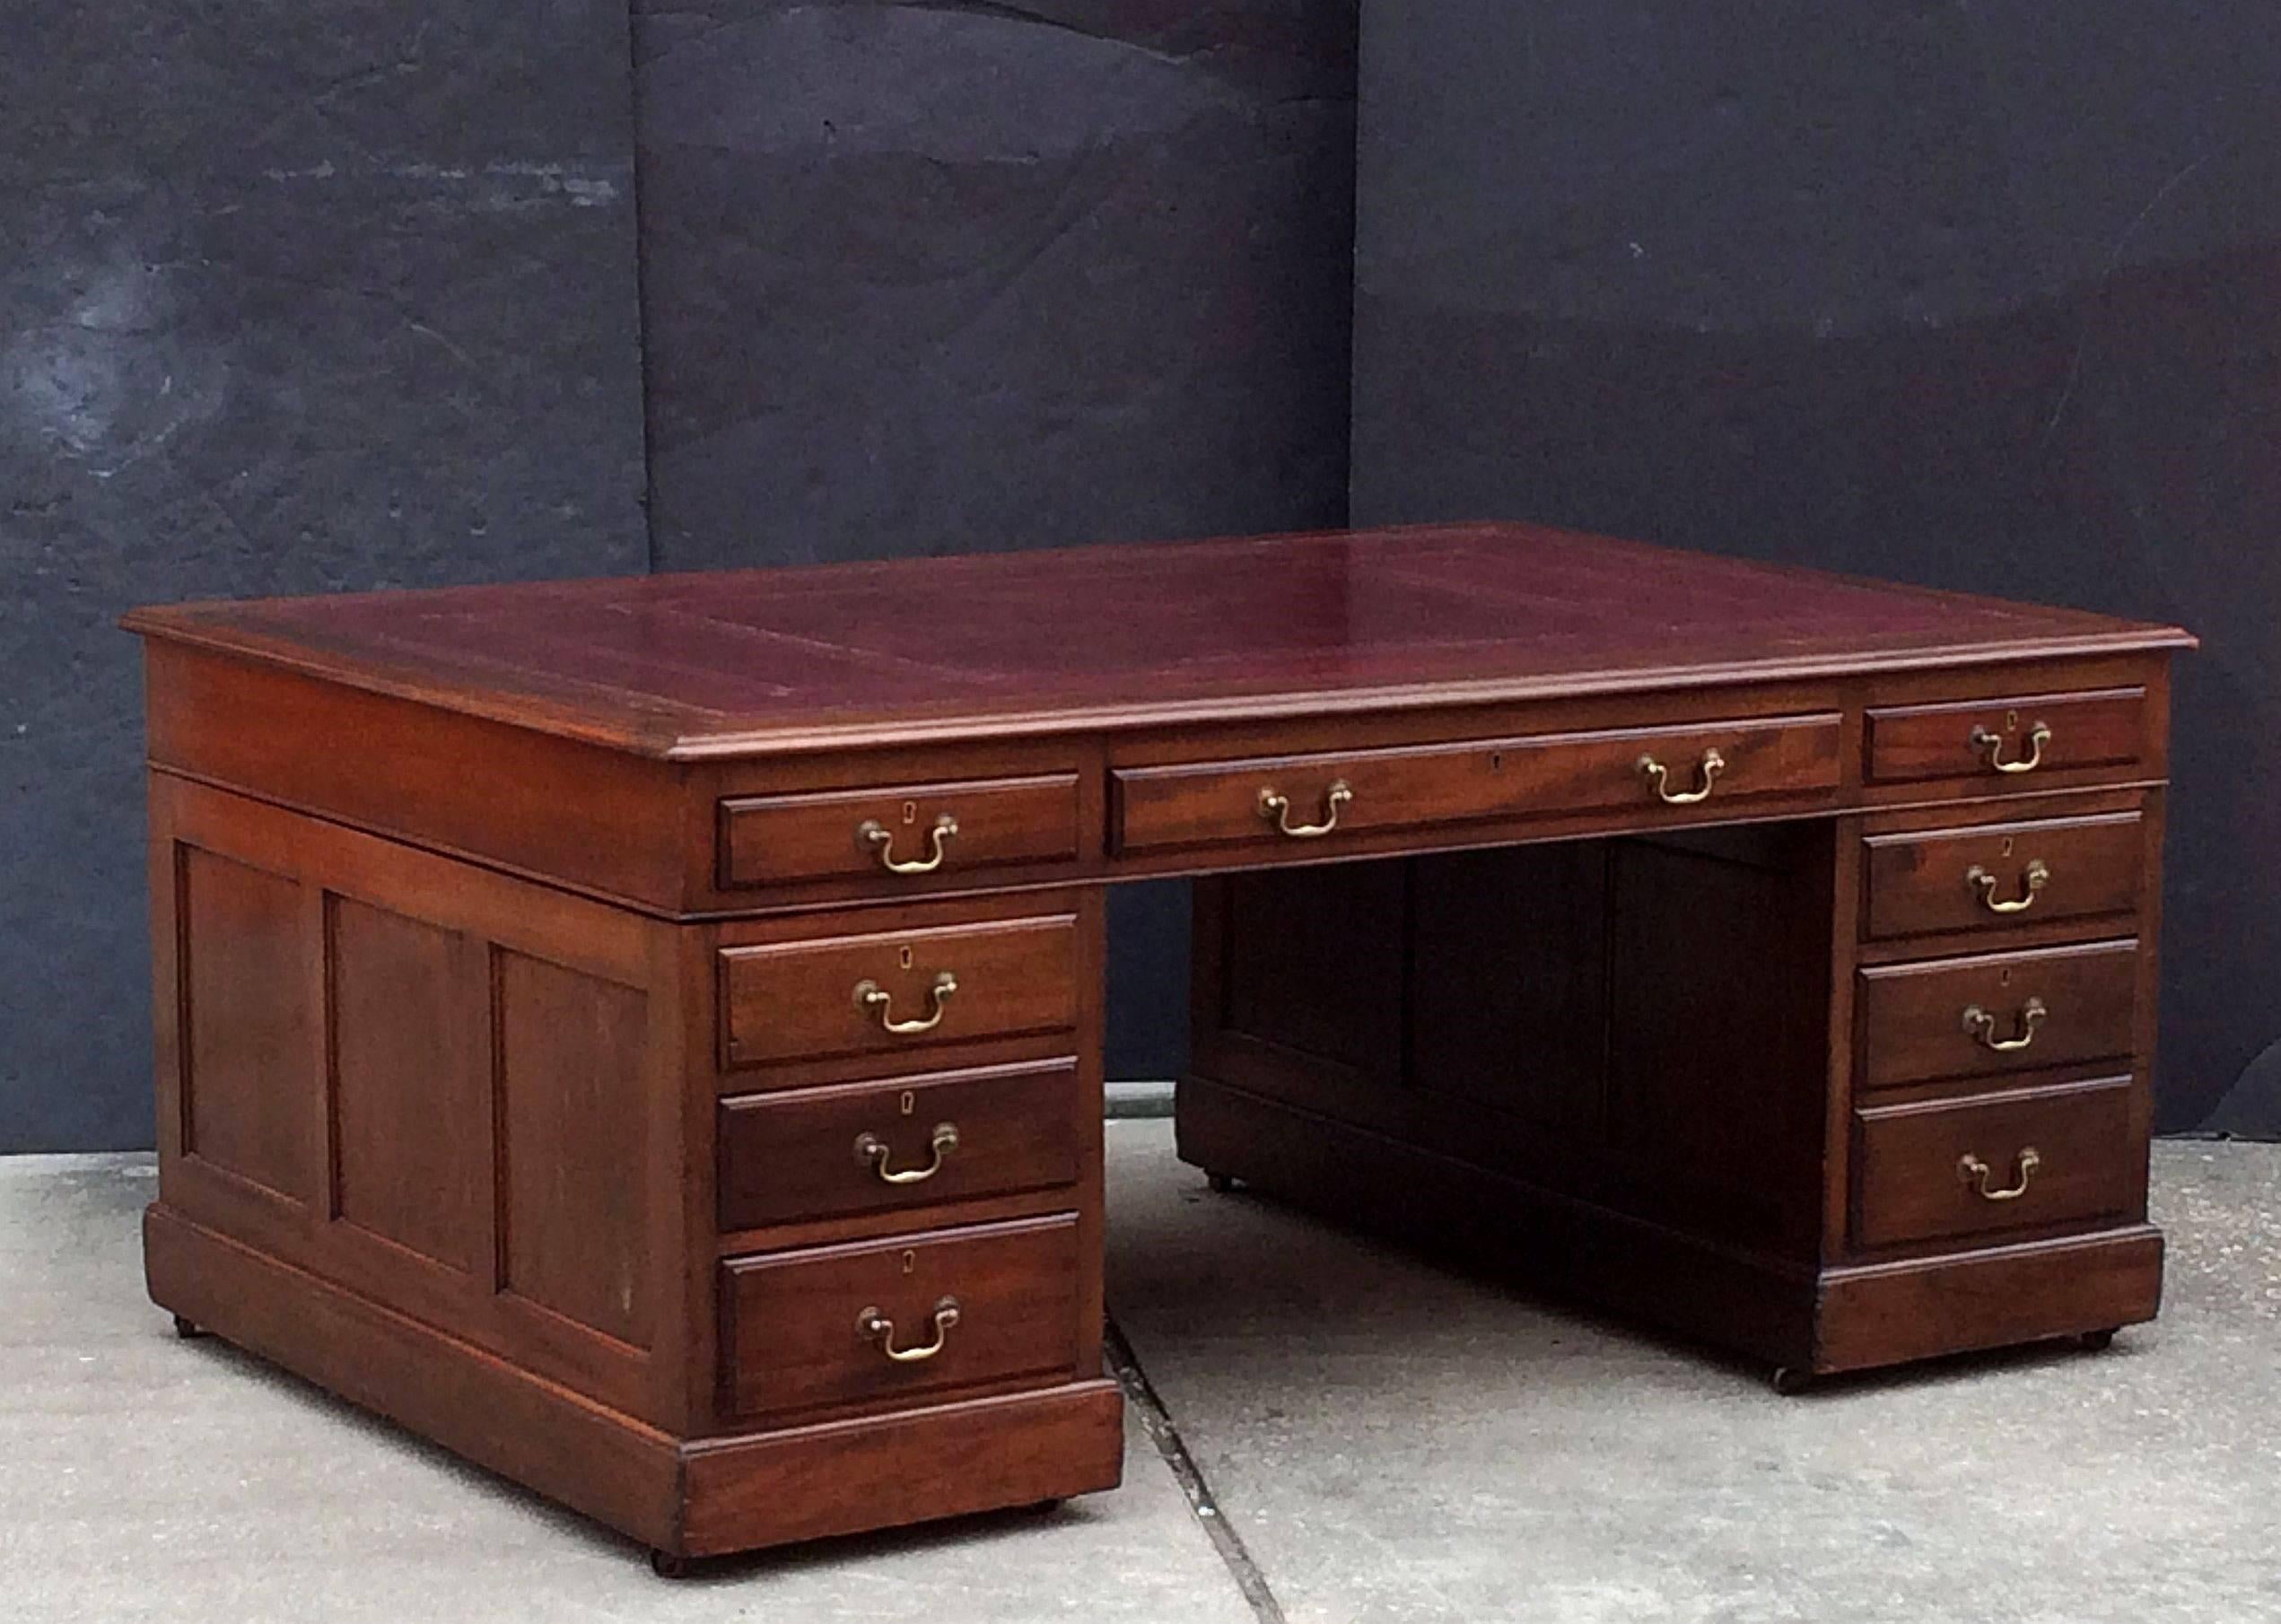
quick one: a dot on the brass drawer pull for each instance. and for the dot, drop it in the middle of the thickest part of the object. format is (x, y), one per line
(873, 1326)
(873, 999)
(1980, 1025)
(1277, 809)
(1658, 776)
(1975, 1172)
(1990, 745)
(874, 1152)
(877, 836)
(2033, 879)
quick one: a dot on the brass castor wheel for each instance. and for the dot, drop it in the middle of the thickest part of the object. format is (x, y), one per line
(2097, 1342)
(188, 1331)
(667, 1566)
(1790, 1381)
(1221, 1183)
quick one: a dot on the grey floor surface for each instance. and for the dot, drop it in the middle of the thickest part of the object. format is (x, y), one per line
(1383, 1440)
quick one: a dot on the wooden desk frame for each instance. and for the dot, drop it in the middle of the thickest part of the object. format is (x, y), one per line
(582, 1087)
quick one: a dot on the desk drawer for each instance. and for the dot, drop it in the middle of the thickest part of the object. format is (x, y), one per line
(1998, 738)
(2033, 1157)
(880, 1147)
(810, 1327)
(1277, 802)
(1996, 876)
(2001, 1013)
(899, 835)
(897, 993)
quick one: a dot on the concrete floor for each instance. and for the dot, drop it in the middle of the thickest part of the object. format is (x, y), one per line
(1382, 1441)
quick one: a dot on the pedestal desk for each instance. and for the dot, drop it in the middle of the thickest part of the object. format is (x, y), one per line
(646, 1035)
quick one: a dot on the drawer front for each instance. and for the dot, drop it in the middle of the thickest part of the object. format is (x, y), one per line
(2002, 1013)
(815, 1327)
(899, 836)
(894, 994)
(880, 1147)
(1997, 738)
(1972, 1166)
(1275, 801)
(1988, 877)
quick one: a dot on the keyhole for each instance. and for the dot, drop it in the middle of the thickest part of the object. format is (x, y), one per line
(2008, 845)
(2011, 721)
(910, 811)
(902, 957)
(909, 1100)
(910, 1262)
(2004, 979)
(1497, 761)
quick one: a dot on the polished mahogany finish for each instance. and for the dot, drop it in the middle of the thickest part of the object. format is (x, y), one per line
(1984, 1163)
(910, 1315)
(1222, 803)
(891, 995)
(2011, 733)
(904, 830)
(1991, 875)
(647, 1034)
(2051, 1007)
(908, 1141)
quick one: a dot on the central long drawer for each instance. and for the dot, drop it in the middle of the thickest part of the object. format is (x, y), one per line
(1268, 801)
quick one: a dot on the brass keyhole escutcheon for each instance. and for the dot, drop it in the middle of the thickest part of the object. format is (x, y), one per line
(902, 957)
(910, 1101)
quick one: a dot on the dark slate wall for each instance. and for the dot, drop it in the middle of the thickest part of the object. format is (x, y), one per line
(1983, 296)
(956, 276)
(292, 298)
(945, 276)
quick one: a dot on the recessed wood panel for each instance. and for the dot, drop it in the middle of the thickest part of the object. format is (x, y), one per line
(252, 1104)
(573, 1121)
(1508, 993)
(410, 1097)
(1312, 963)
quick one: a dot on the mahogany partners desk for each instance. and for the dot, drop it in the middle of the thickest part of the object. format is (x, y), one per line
(646, 1035)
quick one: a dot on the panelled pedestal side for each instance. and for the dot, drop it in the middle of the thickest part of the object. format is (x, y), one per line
(446, 1141)
(1834, 1092)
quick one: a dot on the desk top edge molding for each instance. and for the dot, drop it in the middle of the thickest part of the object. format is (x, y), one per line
(1428, 567)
